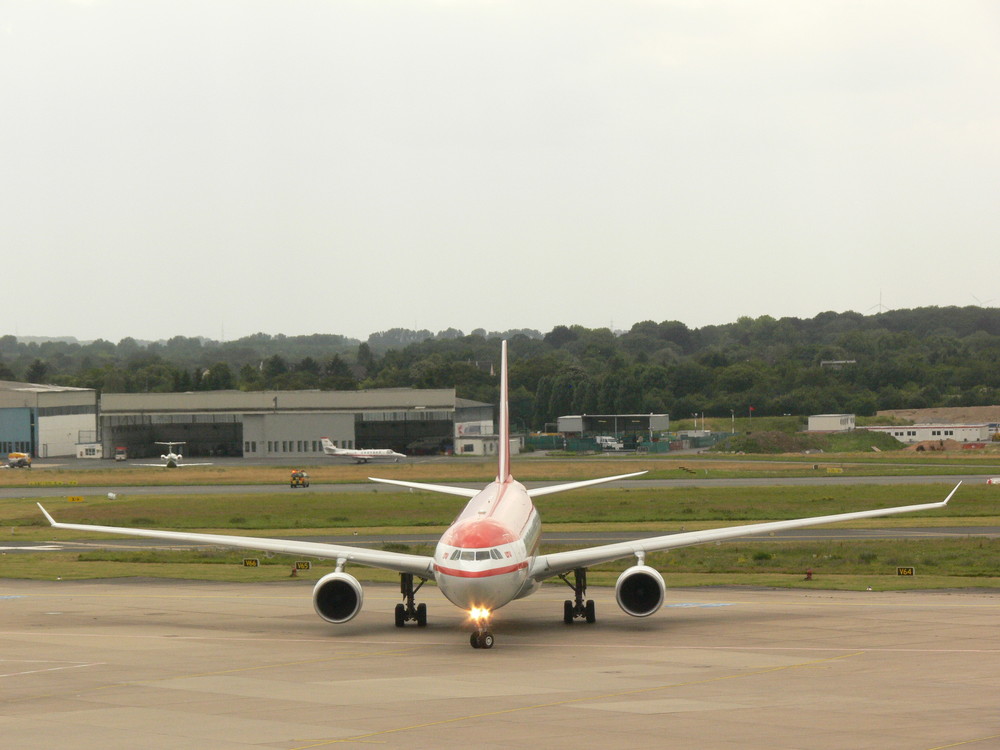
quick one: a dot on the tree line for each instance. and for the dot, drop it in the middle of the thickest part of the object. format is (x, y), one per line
(832, 363)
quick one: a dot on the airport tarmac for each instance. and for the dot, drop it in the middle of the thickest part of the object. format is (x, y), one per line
(227, 666)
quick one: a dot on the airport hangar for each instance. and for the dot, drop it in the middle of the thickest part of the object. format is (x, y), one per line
(288, 424)
(50, 421)
(46, 420)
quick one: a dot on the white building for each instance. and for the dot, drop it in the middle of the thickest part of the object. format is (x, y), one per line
(46, 420)
(919, 433)
(831, 423)
(478, 439)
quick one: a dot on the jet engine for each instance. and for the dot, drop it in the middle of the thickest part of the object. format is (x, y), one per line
(640, 591)
(338, 597)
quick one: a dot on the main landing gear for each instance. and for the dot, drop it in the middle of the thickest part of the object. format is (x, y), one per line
(482, 637)
(578, 608)
(408, 611)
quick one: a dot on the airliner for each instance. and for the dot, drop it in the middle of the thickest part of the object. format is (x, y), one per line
(361, 455)
(489, 556)
(171, 460)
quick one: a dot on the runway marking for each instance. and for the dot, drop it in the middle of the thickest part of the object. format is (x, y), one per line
(570, 701)
(127, 683)
(965, 742)
(47, 669)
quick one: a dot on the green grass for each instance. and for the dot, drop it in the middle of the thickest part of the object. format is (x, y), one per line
(319, 512)
(939, 563)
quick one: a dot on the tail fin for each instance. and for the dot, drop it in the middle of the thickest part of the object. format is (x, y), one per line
(503, 450)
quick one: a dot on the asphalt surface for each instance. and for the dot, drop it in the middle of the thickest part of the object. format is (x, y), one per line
(169, 665)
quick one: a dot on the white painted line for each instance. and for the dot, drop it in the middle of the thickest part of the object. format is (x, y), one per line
(46, 669)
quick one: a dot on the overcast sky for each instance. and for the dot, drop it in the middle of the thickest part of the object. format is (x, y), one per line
(222, 167)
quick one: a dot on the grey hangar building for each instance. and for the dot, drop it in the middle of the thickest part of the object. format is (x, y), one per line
(258, 424)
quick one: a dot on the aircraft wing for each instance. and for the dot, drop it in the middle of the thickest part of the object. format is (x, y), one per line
(552, 488)
(418, 565)
(546, 566)
(446, 489)
(204, 464)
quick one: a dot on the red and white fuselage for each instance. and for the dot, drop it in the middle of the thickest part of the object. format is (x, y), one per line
(482, 560)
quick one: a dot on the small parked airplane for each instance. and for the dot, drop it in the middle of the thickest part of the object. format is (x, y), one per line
(360, 455)
(489, 555)
(172, 460)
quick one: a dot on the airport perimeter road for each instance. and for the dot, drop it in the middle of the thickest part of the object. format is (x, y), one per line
(174, 665)
(248, 489)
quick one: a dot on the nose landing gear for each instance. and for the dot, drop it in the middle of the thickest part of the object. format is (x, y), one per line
(482, 637)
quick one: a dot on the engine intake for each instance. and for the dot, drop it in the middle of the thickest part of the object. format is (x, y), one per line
(640, 591)
(338, 597)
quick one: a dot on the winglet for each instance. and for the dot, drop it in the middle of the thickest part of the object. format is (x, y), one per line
(945, 502)
(52, 521)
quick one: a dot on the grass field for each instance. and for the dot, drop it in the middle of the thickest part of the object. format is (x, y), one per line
(526, 468)
(940, 562)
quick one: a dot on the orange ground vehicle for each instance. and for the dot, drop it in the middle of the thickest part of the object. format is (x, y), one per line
(299, 479)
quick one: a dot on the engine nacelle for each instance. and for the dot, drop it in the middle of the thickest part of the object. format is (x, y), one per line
(640, 591)
(338, 597)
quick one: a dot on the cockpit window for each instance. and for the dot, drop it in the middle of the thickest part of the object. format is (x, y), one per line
(495, 554)
(468, 554)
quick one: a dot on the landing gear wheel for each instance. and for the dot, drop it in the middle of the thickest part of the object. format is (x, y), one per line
(481, 639)
(577, 607)
(410, 611)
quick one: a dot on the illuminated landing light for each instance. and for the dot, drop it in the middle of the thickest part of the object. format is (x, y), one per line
(479, 615)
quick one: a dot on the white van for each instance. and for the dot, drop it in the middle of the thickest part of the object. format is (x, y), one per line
(609, 443)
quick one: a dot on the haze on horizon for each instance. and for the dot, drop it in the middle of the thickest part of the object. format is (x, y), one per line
(222, 168)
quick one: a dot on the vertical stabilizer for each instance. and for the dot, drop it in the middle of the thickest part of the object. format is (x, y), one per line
(503, 449)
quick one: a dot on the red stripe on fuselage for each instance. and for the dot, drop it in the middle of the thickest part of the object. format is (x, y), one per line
(480, 573)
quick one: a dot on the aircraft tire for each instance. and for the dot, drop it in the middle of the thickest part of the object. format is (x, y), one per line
(400, 615)
(568, 612)
(422, 615)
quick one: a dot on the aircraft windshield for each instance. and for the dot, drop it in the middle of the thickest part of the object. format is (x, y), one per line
(476, 554)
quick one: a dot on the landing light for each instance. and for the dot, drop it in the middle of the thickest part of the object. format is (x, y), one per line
(479, 613)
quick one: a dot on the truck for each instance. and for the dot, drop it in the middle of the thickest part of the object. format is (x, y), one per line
(19, 460)
(609, 443)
